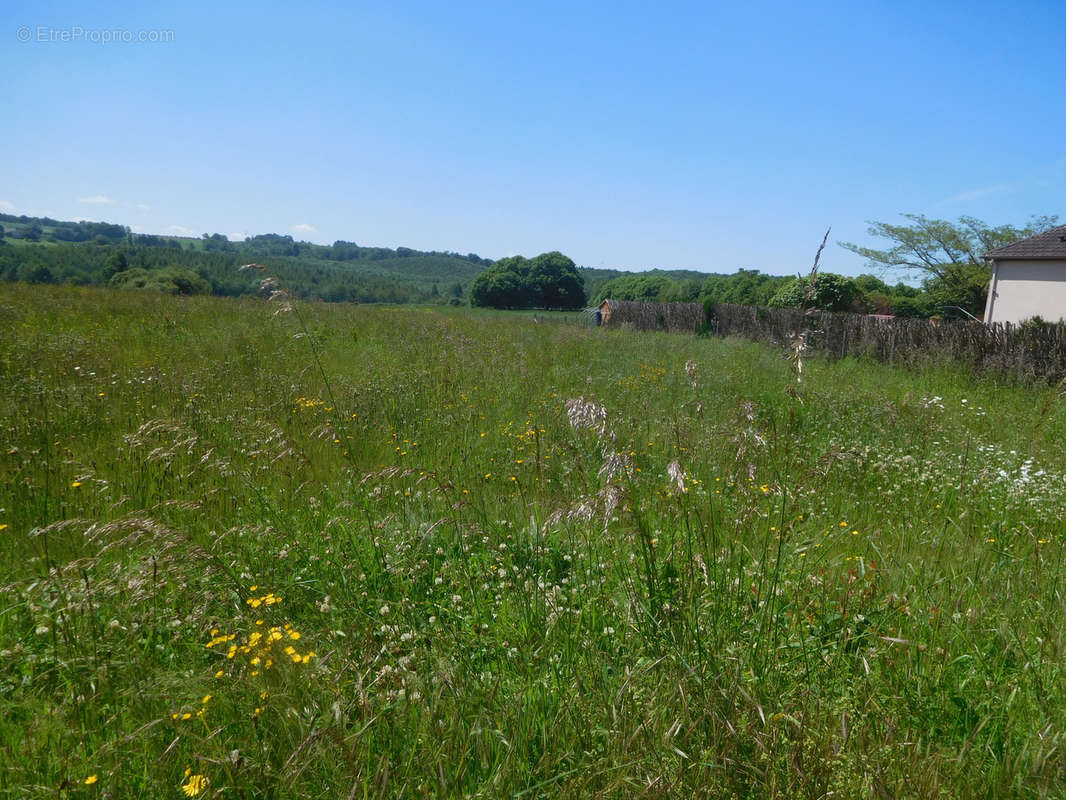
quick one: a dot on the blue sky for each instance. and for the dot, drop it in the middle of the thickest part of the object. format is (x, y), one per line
(704, 136)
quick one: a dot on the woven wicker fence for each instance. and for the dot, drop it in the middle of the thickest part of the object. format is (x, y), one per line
(1021, 351)
(673, 317)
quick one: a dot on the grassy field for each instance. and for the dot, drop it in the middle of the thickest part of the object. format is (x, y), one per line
(360, 552)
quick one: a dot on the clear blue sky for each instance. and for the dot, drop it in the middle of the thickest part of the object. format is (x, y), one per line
(697, 135)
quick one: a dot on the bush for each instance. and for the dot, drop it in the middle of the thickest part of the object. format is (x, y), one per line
(831, 293)
(550, 280)
(172, 280)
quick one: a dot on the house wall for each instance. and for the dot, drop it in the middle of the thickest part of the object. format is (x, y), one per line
(1024, 289)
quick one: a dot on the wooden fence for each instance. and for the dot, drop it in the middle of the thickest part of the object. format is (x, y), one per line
(673, 317)
(1028, 351)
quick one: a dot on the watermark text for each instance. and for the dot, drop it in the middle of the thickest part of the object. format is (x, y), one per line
(54, 34)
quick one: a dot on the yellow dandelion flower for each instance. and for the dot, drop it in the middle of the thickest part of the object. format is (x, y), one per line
(76, 484)
(253, 588)
(2, 526)
(220, 673)
(294, 634)
(92, 779)
(206, 699)
(194, 785)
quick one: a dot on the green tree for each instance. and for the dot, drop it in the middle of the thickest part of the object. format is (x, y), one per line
(946, 255)
(548, 281)
(831, 293)
(931, 246)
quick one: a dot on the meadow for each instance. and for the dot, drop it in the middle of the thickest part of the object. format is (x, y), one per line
(254, 549)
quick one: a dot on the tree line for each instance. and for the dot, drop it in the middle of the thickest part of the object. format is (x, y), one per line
(945, 258)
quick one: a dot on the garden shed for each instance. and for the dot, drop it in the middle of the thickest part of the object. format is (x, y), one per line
(1028, 279)
(603, 313)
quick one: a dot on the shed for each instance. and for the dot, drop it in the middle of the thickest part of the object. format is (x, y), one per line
(1028, 279)
(603, 313)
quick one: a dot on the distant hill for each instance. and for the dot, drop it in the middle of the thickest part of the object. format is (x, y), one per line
(44, 250)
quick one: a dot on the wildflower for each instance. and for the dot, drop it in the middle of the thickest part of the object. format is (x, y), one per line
(76, 484)
(92, 779)
(584, 413)
(676, 475)
(194, 784)
(690, 370)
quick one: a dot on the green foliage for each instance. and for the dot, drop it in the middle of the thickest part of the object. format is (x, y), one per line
(748, 287)
(831, 293)
(701, 579)
(87, 253)
(959, 286)
(550, 280)
(641, 287)
(172, 280)
(931, 246)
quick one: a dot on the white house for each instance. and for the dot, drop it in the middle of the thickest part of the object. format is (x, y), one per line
(1028, 279)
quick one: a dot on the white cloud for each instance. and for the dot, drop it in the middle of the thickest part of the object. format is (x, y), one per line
(304, 227)
(975, 194)
(8, 207)
(97, 200)
(238, 237)
(178, 230)
(144, 208)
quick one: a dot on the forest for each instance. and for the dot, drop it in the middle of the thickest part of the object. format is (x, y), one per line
(937, 266)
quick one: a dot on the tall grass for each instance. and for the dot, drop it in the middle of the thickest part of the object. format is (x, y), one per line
(408, 568)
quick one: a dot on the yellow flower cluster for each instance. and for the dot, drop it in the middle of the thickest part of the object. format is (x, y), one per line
(194, 784)
(268, 599)
(259, 646)
(311, 403)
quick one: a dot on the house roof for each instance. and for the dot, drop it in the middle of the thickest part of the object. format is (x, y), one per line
(1049, 244)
